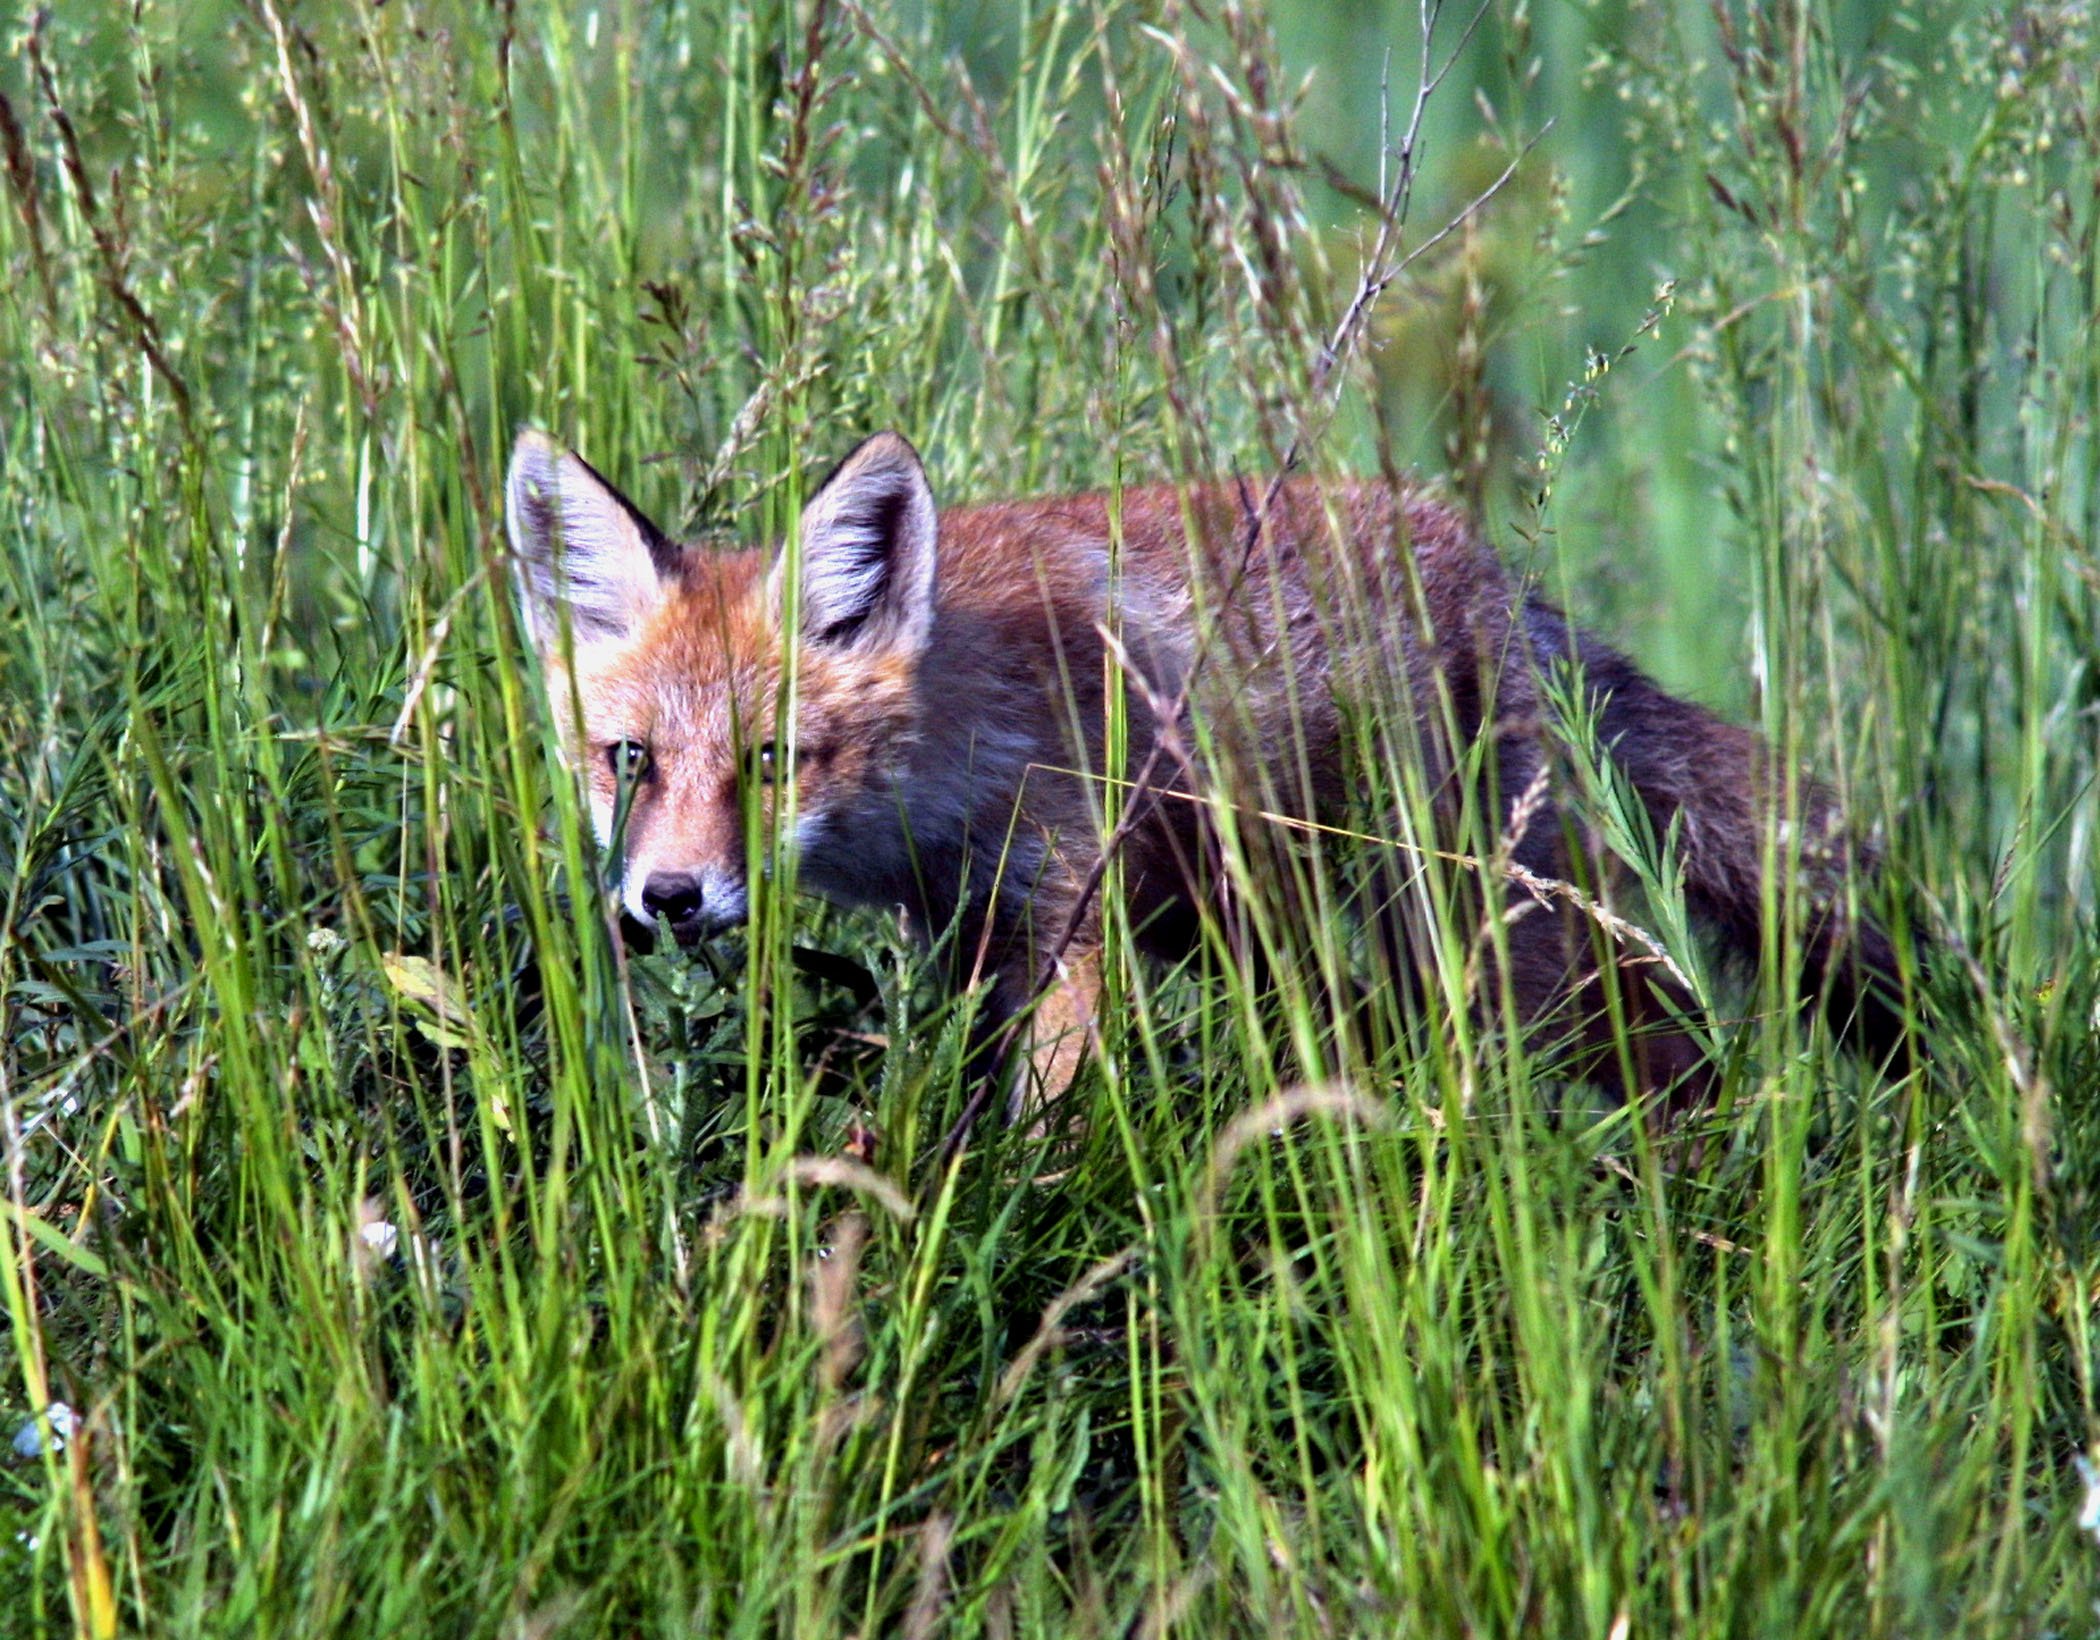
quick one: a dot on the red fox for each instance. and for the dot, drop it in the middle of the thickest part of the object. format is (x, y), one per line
(948, 735)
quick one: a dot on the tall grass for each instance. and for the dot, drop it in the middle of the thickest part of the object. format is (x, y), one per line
(417, 1260)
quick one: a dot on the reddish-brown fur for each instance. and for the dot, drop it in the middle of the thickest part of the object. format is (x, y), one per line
(952, 692)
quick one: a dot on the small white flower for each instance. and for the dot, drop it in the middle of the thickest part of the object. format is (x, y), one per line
(378, 1240)
(64, 1422)
(2089, 1511)
(373, 1242)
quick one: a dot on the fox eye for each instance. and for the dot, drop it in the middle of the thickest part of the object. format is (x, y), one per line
(767, 761)
(629, 759)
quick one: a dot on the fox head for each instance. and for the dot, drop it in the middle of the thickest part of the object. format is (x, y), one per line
(665, 671)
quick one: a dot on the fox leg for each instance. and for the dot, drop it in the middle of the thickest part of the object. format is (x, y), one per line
(1031, 1056)
(1621, 1029)
(1566, 973)
(1030, 1046)
(1061, 1031)
(1564, 998)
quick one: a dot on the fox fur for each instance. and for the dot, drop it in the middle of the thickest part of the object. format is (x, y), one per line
(951, 693)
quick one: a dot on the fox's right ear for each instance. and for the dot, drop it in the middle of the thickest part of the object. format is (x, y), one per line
(580, 547)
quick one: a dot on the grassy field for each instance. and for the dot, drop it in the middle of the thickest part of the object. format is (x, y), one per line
(408, 1259)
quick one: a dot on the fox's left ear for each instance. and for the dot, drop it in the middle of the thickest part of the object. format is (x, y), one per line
(868, 551)
(584, 552)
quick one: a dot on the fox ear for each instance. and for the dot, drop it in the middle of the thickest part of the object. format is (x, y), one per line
(580, 546)
(868, 548)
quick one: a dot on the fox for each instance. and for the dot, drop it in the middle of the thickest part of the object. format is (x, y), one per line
(946, 747)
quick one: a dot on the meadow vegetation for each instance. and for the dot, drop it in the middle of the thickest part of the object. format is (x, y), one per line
(416, 1260)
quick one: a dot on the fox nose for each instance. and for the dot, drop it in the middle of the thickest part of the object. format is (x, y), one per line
(674, 897)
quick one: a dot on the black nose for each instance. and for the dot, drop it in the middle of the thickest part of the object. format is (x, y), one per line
(672, 896)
